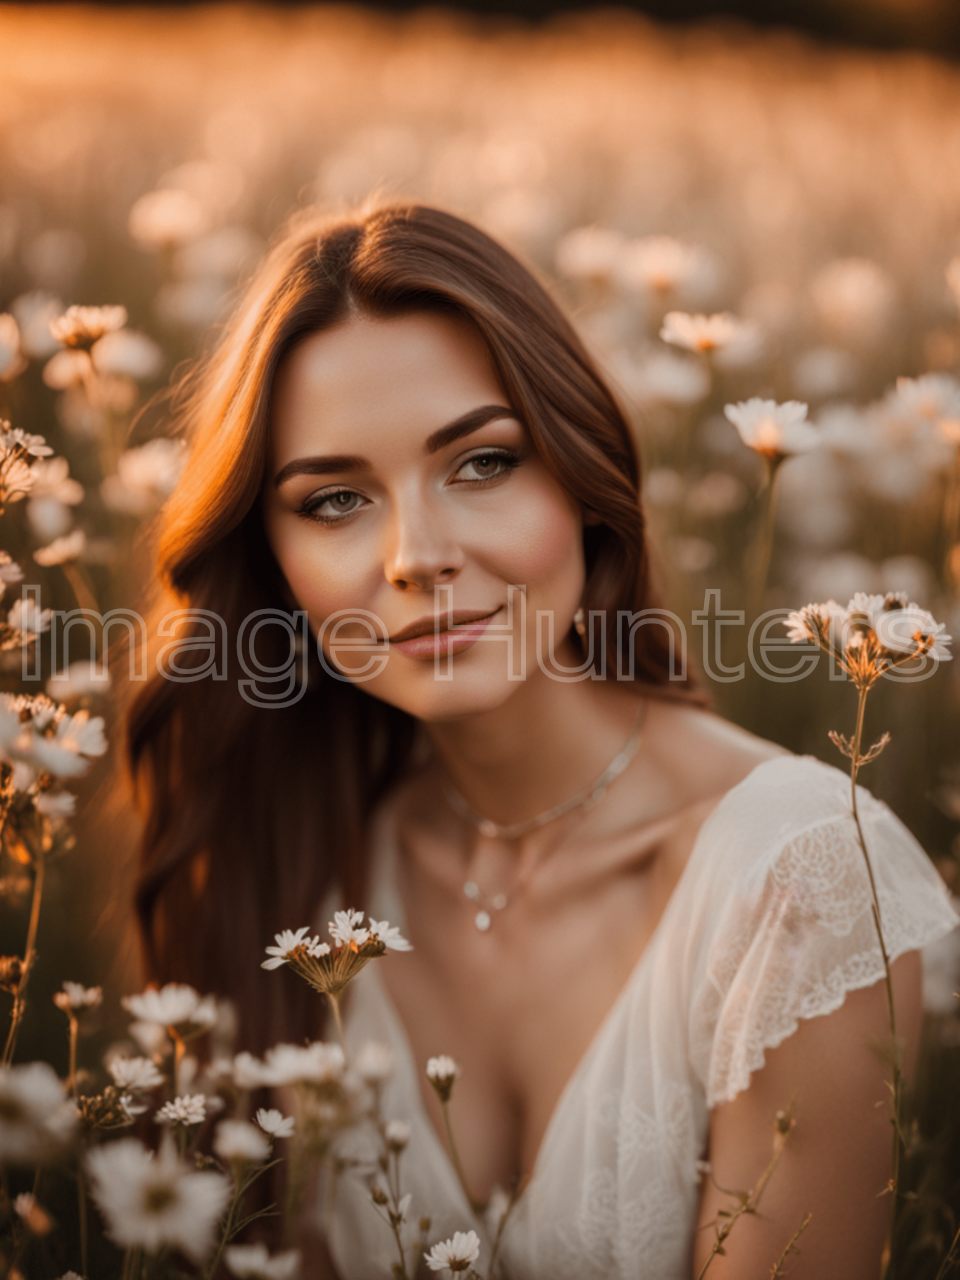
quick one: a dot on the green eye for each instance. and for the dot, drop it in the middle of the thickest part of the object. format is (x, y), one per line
(330, 508)
(489, 465)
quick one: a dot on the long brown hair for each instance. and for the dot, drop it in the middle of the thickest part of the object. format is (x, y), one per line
(252, 813)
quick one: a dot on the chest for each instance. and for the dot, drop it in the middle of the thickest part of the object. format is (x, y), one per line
(614, 1179)
(519, 1006)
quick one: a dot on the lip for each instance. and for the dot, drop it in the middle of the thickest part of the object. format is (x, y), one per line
(428, 626)
(428, 644)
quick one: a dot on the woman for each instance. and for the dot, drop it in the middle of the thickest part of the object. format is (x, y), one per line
(639, 929)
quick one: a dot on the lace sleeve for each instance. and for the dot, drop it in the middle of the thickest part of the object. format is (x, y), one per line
(795, 933)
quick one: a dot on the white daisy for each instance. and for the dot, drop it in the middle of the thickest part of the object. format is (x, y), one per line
(932, 396)
(900, 630)
(275, 1123)
(854, 297)
(662, 264)
(389, 935)
(174, 1005)
(253, 1261)
(34, 445)
(145, 477)
(456, 1254)
(37, 1119)
(151, 1038)
(151, 1201)
(55, 804)
(33, 312)
(132, 1105)
(374, 1063)
(807, 623)
(75, 996)
(78, 679)
(10, 571)
(188, 1109)
(26, 615)
(705, 333)
(62, 550)
(67, 368)
(249, 1072)
(661, 377)
(343, 928)
(124, 353)
(589, 253)
(771, 429)
(288, 941)
(77, 737)
(319, 1063)
(238, 1140)
(135, 1074)
(167, 216)
(82, 326)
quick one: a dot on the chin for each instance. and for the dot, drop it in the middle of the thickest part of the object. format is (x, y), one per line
(434, 701)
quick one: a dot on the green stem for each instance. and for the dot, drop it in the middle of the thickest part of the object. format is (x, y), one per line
(455, 1157)
(764, 550)
(179, 1049)
(791, 1247)
(131, 1264)
(19, 1002)
(947, 1264)
(395, 1226)
(335, 1005)
(501, 1225)
(749, 1202)
(83, 593)
(82, 1213)
(239, 1186)
(897, 1075)
(72, 1077)
(22, 1236)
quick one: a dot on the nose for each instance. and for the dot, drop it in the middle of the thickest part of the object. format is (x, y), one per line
(421, 550)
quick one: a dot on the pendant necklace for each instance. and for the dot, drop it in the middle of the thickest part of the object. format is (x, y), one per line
(586, 799)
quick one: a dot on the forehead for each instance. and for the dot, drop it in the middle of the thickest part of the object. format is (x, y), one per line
(416, 371)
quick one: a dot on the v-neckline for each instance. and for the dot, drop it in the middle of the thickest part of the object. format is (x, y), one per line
(387, 852)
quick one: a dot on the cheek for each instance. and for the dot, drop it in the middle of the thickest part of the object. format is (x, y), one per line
(541, 540)
(324, 574)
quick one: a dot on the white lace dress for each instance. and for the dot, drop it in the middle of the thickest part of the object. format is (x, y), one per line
(770, 922)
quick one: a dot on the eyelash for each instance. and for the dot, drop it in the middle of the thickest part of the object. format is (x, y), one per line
(310, 507)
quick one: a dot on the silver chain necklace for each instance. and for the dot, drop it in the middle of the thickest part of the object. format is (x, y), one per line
(585, 800)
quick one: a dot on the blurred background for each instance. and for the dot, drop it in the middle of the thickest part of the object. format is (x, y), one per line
(796, 164)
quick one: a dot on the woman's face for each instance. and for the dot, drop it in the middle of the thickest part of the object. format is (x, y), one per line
(401, 486)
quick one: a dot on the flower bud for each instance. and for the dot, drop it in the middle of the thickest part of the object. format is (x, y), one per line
(442, 1072)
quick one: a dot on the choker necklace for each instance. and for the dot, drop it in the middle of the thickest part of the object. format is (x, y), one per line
(585, 799)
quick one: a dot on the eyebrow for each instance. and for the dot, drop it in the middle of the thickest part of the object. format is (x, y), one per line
(335, 463)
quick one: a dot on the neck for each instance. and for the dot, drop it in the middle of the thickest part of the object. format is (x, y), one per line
(544, 744)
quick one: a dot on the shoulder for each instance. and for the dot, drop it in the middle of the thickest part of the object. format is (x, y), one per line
(694, 764)
(749, 794)
(698, 754)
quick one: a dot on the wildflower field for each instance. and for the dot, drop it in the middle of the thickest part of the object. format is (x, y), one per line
(759, 238)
